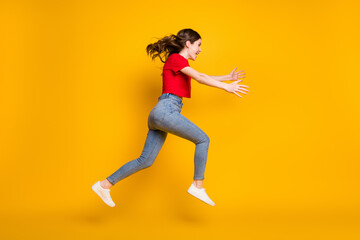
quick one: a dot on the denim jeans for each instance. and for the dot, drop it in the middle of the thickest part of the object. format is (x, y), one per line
(165, 118)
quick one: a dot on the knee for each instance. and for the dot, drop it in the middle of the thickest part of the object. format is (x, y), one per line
(204, 139)
(145, 162)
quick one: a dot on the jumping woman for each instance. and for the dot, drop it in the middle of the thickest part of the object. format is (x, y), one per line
(166, 116)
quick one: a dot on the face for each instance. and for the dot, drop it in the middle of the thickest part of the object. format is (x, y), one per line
(194, 49)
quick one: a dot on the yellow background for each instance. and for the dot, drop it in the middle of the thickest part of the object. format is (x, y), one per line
(77, 88)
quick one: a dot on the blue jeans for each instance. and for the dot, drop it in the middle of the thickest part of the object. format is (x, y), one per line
(165, 118)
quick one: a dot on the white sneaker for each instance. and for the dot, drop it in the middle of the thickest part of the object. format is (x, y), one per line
(200, 194)
(103, 193)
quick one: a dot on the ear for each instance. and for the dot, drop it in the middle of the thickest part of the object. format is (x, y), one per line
(188, 43)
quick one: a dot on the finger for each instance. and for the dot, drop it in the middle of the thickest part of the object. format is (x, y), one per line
(243, 85)
(243, 89)
(237, 94)
(239, 88)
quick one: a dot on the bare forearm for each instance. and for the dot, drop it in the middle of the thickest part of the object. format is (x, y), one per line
(221, 78)
(210, 81)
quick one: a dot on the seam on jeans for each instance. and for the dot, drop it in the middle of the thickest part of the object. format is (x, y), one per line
(165, 110)
(157, 142)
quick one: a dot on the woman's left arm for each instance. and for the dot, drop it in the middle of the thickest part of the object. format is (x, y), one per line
(231, 76)
(221, 78)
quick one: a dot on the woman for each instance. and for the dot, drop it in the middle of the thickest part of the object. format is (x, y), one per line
(166, 116)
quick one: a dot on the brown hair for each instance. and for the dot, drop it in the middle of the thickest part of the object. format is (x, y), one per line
(171, 44)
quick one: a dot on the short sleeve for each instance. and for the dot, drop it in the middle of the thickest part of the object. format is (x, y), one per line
(178, 62)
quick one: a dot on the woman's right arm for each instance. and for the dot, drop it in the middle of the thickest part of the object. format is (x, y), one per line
(207, 80)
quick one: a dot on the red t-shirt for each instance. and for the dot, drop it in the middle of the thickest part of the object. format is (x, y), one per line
(175, 81)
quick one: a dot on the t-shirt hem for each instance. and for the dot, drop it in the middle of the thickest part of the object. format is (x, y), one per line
(179, 94)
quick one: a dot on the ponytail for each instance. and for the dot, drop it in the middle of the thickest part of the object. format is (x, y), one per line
(171, 44)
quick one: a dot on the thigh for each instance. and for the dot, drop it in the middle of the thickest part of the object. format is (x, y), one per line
(177, 124)
(154, 141)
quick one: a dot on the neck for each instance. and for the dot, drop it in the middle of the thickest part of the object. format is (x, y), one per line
(184, 54)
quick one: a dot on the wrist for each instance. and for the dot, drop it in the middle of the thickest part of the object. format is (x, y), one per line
(224, 85)
(227, 77)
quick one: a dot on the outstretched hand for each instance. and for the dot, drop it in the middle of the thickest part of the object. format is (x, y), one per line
(236, 75)
(234, 88)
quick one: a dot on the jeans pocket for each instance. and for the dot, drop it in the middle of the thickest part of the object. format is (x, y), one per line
(173, 107)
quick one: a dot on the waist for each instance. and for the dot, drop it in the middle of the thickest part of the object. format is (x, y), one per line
(172, 96)
(178, 96)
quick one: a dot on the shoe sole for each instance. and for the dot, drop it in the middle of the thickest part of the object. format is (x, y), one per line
(198, 197)
(97, 191)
